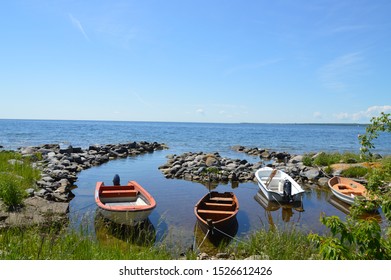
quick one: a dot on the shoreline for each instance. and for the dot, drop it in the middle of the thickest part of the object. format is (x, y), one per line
(49, 199)
(60, 166)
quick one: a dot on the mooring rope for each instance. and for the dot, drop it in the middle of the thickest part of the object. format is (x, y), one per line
(232, 237)
(206, 235)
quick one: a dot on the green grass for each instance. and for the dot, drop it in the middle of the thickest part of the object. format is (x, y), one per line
(35, 244)
(355, 172)
(278, 244)
(16, 175)
(327, 159)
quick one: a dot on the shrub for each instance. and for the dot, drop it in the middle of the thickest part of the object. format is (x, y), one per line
(10, 191)
(355, 172)
(325, 159)
(307, 160)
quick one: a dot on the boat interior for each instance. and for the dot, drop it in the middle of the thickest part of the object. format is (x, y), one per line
(217, 208)
(348, 190)
(118, 194)
(274, 185)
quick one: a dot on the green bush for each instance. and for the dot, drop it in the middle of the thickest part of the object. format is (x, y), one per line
(352, 240)
(326, 159)
(355, 172)
(307, 160)
(10, 191)
(16, 176)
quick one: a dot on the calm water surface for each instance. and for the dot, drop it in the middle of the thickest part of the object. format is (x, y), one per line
(173, 219)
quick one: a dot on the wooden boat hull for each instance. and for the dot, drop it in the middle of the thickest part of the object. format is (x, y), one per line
(274, 191)
(216, 214)
(128, 205)
(347, 190)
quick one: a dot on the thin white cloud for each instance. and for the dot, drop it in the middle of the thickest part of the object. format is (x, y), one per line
(317, 115)
(370, 112)
(337, 74)
(76, 23)
(200, 111)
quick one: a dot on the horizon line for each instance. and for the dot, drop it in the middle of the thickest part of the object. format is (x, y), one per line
(92, 120)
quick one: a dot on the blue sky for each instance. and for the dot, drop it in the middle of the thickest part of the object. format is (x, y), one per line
(197, 61)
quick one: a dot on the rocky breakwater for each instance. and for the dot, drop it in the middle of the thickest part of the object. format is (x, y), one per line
(206, 167)
(59, 168)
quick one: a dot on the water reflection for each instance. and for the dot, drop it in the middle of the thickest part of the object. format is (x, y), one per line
(287, 209)
(109, 233)
(209, 242)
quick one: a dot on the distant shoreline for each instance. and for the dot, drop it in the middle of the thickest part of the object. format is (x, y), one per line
(184, 122)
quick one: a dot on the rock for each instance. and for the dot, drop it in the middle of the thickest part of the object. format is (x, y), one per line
(212, 161)
(296, 159)
(257, 257)
(30, 192)
(311, 174)
(323, 182)
(203, 256)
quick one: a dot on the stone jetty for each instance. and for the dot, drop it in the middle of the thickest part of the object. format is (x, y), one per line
(207, 167)
(59, 168)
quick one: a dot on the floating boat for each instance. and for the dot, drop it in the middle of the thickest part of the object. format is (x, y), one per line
(278, 186)
(347, 190)
(129, 204)
(216, 214)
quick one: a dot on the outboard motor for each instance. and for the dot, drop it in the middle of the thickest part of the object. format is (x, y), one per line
(116, 180)
(288, 191)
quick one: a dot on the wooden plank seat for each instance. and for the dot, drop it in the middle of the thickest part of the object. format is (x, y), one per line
(349, 191)
(221, 199)
(219, 206)
(218, 212)
(119, 193)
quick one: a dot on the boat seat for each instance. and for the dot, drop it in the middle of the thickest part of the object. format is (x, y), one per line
(221, 198)
(219, 204)
(117, 193)
(202, 211)
(351, 192)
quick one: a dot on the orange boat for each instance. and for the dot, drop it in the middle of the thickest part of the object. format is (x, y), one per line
(128, 205)
(347, 190)
(216, 214)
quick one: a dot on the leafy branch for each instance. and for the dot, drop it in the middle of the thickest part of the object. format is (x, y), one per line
(378, 124)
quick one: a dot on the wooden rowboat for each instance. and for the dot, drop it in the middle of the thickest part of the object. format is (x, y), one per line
(216, 214)
(129, 205)
(347, 190)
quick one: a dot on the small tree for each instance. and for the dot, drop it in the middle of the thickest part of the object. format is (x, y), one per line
(378, 124)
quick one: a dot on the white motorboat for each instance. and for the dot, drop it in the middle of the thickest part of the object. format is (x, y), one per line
(276, 185)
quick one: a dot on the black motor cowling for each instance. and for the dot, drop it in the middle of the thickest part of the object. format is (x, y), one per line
(288, 191)
(116, 180)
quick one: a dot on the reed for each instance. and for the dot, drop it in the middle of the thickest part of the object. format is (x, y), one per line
(38, 244)
(278, 244)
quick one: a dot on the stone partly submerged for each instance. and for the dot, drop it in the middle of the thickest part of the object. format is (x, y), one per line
(212, 167)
